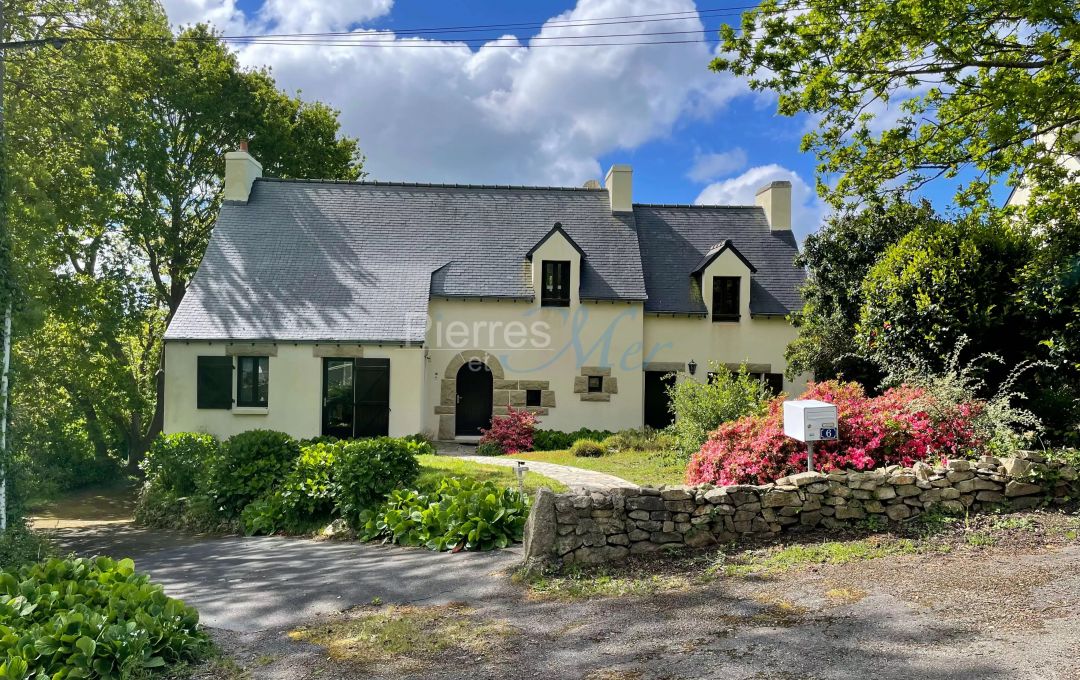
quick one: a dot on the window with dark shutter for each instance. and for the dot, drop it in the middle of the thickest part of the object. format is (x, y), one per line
(252, 381)
(725, 296)
(214, 382)
(555, 284)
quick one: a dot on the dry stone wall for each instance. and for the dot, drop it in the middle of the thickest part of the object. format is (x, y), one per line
(600, 526)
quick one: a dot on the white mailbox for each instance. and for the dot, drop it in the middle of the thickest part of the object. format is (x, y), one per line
(810, 420)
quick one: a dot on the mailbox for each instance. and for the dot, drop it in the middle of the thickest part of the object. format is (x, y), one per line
(810, 420)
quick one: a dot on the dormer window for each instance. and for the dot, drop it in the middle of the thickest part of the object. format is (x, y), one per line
(555, 284)
(725, 298)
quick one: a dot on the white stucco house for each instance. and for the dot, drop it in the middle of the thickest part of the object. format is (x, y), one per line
(367, 308)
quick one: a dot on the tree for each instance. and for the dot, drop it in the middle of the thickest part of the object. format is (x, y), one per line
(837, 259)
(989, 88)
(117, 152)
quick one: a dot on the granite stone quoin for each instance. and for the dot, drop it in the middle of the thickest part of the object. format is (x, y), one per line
(592, 527)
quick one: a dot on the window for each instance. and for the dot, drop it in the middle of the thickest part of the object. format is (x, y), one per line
(774, 381)
(555, 284)
(252, 381)
(213, 382)
(532, 397)
(725, 298)
(596, 383)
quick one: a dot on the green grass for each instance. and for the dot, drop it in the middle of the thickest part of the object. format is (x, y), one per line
(584, 585)
(779, 560)
(648, 468)
(435, 468)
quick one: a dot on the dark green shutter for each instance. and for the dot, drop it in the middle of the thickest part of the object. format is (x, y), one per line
(214, 383)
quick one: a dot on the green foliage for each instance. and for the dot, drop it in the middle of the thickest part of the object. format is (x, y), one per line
(555, 440)
(461, 514)
(91, 618)
(970, 86)
(367, 470)
(20, 546)
(644, 439)
(837, 259)
(488, 449)
(306, 498)
(166, 510)
(250, 465)
(175, 461)
(700, 407)
(587, 448)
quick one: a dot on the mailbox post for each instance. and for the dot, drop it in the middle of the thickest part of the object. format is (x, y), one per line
(810, 420)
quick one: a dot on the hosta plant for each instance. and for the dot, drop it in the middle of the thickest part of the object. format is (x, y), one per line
(460, 514)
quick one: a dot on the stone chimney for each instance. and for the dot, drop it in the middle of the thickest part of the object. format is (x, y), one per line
(241, 171)
(775, 199)
(620, 186)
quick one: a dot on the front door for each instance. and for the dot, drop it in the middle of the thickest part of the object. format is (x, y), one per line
(657, 402)
(473, 411)
(356, 397)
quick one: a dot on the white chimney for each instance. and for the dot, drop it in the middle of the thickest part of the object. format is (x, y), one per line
(620, 186)
(241, 171)
(775, 199)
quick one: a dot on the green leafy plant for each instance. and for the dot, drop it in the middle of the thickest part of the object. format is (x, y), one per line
(644, 439)
(305, 499)
(461, 514)
(488, 449)
(587, 448)
(249, 466)
(367, 470)
(176, 461)
(701, 407)
(556, 440)
(90, 618)
(20, 546)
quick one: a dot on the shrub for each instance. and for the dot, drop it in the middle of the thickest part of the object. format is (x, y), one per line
(513, 432)
(645, 439)
(873, 432)
(700, 407)
(587, 448)
(166, 510)
(366, 470)
(555, 440)
(176, 461)
(91, 618)
(20, 546)
(305, 499)
(249, 466)
(460, 514)
(488, 449)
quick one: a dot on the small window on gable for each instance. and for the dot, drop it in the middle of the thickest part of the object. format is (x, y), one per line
(213, 382)
(532, 397)
(555, 284)
(252, 381)
(725, 298)
(596, 383)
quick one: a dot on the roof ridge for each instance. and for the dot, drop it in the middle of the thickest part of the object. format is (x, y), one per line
(433, 185)
(692, 205)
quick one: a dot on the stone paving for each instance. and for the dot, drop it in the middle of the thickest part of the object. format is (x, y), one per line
(575, 478)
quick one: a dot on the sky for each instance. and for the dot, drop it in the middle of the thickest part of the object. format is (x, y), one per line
(512, 113)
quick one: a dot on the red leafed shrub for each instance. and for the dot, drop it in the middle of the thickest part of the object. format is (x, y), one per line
(894, 428)
(513, 432)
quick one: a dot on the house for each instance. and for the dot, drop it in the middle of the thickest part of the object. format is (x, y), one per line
(367, 308)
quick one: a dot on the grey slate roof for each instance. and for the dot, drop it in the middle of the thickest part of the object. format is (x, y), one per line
(675, 239)
(358, 261)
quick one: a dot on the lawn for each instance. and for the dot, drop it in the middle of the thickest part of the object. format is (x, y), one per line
(648, 468)
(435, 468)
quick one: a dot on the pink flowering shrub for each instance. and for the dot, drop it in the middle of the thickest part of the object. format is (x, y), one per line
(511, 433)
(892, 428)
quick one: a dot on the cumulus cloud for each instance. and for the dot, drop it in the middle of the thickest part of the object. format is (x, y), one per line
(807, 210)
(709, 166)
(506, 113)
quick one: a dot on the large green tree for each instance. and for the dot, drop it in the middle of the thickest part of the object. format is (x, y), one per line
(904, 92)
(117, 152)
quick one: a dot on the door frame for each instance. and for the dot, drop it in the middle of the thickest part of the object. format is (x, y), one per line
(665, 378)
(486, 395)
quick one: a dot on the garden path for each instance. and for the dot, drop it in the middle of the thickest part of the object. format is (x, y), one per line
(575, 478)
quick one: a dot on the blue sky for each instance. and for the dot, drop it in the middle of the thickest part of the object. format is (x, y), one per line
(520, 114)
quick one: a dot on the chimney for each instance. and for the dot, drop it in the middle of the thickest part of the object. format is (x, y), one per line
(775, 199)
(620, 186)
(591, 184)
(241, 171)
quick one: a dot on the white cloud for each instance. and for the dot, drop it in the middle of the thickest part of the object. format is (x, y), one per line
(223, 14)
(807, 210)
(709, 166)
(519, 114)
(295, 16)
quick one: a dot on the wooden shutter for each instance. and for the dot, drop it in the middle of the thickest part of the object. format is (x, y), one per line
(214, 382)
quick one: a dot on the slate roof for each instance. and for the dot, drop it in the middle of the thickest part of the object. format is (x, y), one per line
(675, 239)
(358, 261)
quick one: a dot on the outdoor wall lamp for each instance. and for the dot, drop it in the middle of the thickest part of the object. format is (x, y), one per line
(692, 367)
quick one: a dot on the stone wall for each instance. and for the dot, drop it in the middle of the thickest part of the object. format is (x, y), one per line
(601, 526)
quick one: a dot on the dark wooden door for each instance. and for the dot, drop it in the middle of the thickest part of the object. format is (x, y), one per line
(657, 402)
(372, 398)
(473, 411)
(339, 398)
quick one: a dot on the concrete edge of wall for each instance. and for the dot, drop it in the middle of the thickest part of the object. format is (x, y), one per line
(593, 527)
